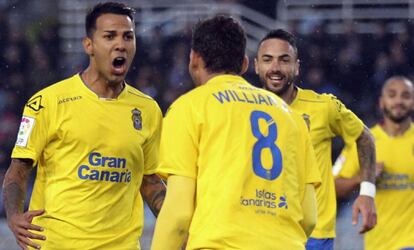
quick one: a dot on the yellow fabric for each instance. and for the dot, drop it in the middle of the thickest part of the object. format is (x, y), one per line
(91, 160)
(211, 134)
(310, 209)
(176, 213)
(328, 118)
(395, 190)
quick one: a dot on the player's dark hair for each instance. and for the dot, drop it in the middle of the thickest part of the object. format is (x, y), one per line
(221, 43)
(105, 8)
(282, 35)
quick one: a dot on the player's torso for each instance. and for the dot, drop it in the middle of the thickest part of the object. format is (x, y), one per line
(314, 109)
(254, 182)
(91, 168)
(395, 192)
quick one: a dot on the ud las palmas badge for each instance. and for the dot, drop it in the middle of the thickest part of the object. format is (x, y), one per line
(137, 119)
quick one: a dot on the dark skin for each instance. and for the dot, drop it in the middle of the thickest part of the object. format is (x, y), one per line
(14, 192)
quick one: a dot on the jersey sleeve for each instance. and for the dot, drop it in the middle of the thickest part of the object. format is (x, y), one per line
(343, 122)
(33, 131)
(347, 165)
(151, 148)
(179, 141)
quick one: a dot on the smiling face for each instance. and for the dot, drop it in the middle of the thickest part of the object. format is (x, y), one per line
(396, 100)
(277, 65)
(111, 47)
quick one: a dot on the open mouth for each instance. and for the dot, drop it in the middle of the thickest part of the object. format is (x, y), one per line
(276, 78)
(118, 62)
(119, 65)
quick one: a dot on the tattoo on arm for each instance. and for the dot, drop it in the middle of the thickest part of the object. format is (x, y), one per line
(153, 192)
(366, 156)
(14, 185)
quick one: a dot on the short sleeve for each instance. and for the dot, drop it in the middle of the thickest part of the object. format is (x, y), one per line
(346, 165)
(151, 147)
(33, 131)
(179, 141)
(343, 122)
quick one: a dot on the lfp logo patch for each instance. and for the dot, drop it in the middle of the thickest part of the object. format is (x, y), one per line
(26, 126)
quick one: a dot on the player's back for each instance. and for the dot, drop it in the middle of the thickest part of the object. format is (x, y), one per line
(247, 183)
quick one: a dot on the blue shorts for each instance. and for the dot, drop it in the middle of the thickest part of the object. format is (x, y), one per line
(407, 248)
(320, 244)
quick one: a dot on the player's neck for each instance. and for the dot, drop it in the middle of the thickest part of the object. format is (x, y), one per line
(290, 94)
(205, 76)
(395, 129)
(100, 86)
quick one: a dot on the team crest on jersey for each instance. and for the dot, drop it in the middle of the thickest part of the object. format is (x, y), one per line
(35, 103)
(306, 117)
(136, 119)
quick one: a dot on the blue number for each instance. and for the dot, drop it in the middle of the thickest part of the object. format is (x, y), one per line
(265, 142)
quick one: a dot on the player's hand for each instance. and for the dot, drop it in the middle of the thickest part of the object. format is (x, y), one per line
(379, 167)
(366, 206)
(20, 224)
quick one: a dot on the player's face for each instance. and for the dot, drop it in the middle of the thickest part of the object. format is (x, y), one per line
(277, 65)
(397, 101)
(112, 47)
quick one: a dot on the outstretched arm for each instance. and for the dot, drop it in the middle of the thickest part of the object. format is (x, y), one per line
(153, 192)
(364, 204)
(14, 193)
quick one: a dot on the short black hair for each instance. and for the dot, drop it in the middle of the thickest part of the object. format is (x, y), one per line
(221, 42)
(282, 35)
(105, 8)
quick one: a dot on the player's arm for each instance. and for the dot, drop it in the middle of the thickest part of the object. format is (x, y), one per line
(175, 217)
(345, 186)
(14, 193)
(153, 192)
(364, 204)
(309, 209)
(366, 155)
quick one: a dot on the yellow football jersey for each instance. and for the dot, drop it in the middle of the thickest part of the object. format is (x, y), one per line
(395, 189)
(328, 118)
(242, 146)
(91, 155)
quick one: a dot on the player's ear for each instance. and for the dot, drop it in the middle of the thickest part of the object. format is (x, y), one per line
(245, 65)
(87, 46)
(195, 60)
(381, 103)
(297, 67)
(256, 66)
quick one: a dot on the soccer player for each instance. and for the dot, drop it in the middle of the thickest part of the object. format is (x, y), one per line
(95, 141)
(394, 138)
(277, 65)
(239, 173)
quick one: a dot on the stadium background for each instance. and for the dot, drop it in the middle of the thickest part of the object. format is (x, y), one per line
(346, 47)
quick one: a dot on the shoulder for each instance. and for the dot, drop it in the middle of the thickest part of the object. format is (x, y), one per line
(138, 96)
(48, 96)
(58, 88)
(308, 95)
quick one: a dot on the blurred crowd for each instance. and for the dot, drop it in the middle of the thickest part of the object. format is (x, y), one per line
(350, 65)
